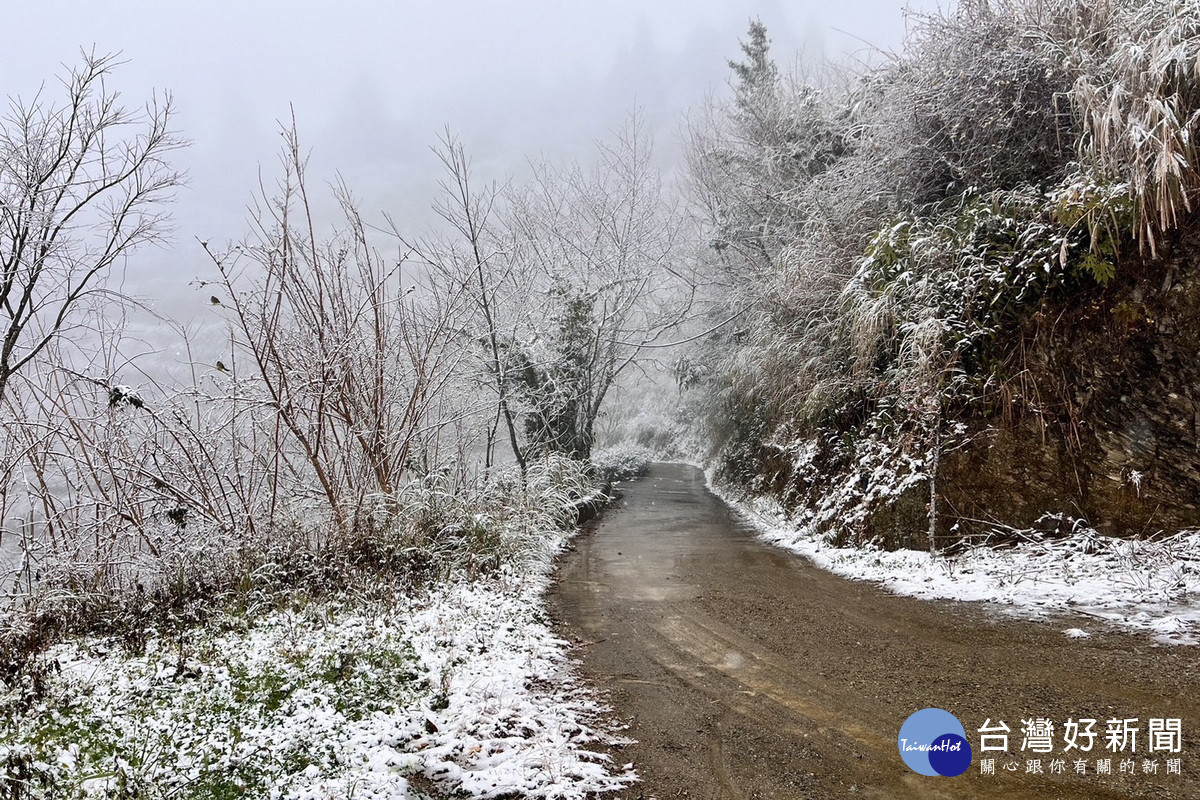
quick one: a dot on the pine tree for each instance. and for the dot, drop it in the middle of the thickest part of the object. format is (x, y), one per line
(757, 75)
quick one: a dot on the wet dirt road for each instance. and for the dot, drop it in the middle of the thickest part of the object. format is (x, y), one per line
(745, 672)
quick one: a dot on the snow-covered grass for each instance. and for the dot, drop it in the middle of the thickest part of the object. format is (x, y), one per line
(463, 688)
(1151, 586)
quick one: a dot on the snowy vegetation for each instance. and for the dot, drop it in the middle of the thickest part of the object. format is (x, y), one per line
(323, 533)
(910, 256)
(622, 462)
(363, 410)
(459, 687)
(462, 687)
(307, 559)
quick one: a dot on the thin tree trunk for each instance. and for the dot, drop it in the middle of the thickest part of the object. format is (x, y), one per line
(935, 458)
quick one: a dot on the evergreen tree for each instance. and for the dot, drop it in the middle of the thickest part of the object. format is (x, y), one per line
(757, 75)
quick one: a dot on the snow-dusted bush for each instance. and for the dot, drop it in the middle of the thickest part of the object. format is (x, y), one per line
(621, 462)
(427, 531)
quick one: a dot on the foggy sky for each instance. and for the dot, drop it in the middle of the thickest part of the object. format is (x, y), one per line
(373, 83)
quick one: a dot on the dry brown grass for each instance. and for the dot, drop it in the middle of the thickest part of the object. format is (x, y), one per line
(1135, 67)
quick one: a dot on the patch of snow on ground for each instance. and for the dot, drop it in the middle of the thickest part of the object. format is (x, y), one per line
(466, 687)
(1151, 586)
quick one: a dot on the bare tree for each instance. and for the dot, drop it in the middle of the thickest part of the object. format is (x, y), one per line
(82, 184)
(605, 252)
(475, 260)
(574, 275)
(347, 349)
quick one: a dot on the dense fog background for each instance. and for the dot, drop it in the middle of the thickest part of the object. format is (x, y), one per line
(373, 83)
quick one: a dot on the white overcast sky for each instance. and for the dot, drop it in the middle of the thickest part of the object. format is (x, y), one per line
(373, 82)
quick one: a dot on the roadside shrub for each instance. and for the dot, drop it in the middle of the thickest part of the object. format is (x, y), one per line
(621, 462)
(428, 531)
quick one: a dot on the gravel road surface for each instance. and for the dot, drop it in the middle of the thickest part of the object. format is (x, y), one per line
(745, 672)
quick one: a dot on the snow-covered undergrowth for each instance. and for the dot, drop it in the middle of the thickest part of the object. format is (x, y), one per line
(1151, 586)
(622, 462)
(463, 689)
